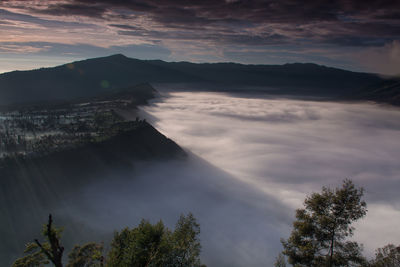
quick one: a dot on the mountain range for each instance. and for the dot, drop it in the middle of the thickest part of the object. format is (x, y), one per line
(95, 76)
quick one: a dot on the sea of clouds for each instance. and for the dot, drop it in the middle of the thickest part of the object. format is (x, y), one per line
(252, 161)
(284, 149)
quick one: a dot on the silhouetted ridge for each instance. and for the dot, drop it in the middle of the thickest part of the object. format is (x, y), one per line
(295, 78)
(118, 56)
(99, 75)
(85, 78)
(385, 92)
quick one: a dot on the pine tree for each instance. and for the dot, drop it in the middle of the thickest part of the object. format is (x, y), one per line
(388, 256)
(39, 253)
(186, 245)
(155, 245)
(280, 261)
(321, 229)
(90, 254)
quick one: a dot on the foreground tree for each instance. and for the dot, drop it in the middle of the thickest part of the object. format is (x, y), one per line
(40, 254)
(144, 245)
(88, 255)
(321, 229)
(280, 261)
(185, 242)
(155, 245)
(34, 258)
(388, 256)
(147, 245)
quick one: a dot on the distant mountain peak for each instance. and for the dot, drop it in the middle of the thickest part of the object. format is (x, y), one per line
(117, 56)
(303, 64)
(111, 58)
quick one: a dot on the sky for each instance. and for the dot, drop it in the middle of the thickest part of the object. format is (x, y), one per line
(360, 35)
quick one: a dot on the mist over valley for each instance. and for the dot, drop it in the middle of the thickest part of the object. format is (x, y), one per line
(224, 133)
(285, 149)
(240, 157)
(251, 161)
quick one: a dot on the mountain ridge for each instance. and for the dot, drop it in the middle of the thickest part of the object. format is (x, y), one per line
(90, 77)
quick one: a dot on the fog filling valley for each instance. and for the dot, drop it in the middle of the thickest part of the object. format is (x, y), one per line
(280, 150)
(252, 161)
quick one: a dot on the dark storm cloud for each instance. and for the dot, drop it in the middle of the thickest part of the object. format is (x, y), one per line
(89, 10)
(12, 16)
(176, 11)
(5, 23)
(252, 22)
(126, 27)
(356, 35)
(203, 12)
(193, 36)
(343, 23)
(356, 41)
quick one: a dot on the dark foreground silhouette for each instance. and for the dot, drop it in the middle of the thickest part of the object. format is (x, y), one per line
(319, 238)
(145, 245)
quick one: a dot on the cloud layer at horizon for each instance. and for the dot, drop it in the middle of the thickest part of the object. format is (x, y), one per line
(336, 33)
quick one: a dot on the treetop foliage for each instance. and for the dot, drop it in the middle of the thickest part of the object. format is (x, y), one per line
(319, 239)
(388, 256)
(156, 245)
(322, 227)
(147, 245)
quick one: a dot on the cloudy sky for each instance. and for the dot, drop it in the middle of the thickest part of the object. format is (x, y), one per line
(356, 35)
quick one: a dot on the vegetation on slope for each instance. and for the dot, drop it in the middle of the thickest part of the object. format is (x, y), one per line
(147, 245)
